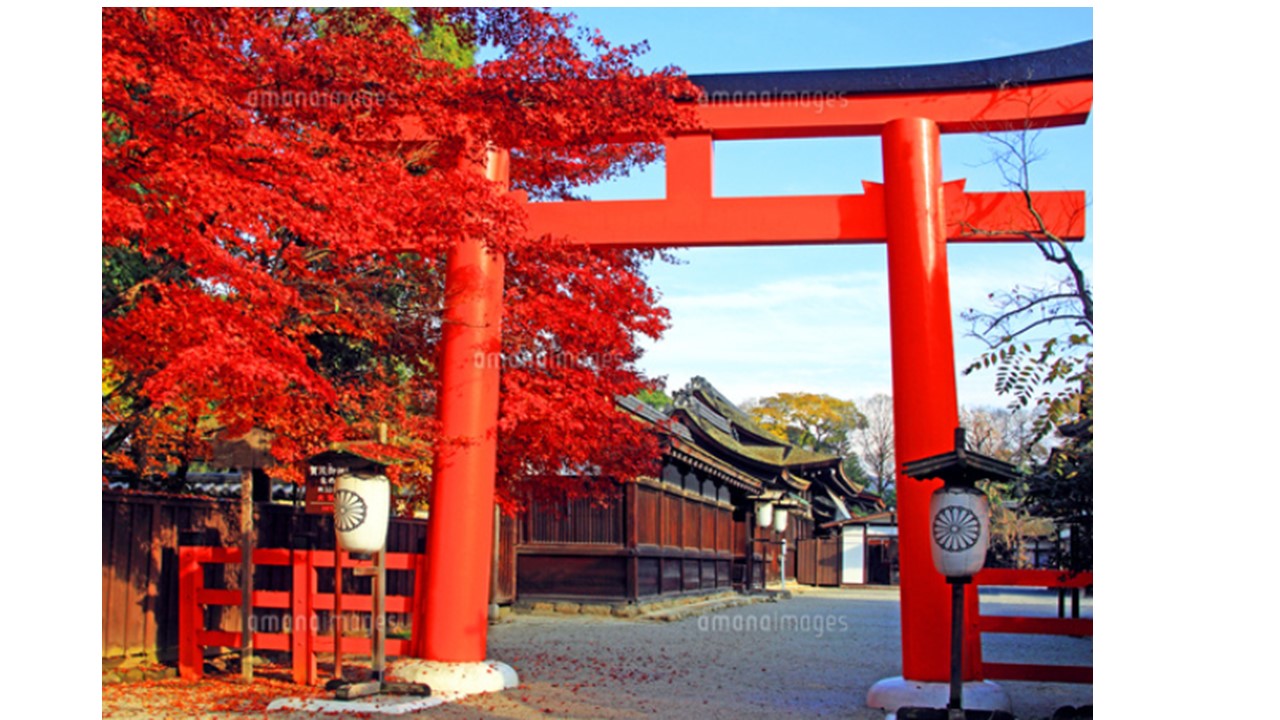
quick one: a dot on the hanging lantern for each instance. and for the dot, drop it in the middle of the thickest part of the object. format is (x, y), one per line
(362, 511)
(764, 515)
(780, 519)
(960, 529)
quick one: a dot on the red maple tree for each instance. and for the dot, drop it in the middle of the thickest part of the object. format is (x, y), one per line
(273, 237)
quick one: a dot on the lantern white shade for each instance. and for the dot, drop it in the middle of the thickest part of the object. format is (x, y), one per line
(764, 515)
(361, 511)
(960, 530)
(780, 519)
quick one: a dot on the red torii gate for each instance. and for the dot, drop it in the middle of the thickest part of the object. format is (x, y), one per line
(913, 212)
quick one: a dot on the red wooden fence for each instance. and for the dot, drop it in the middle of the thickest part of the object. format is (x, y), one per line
(301, 603)
(1078, 627)
(140, 539)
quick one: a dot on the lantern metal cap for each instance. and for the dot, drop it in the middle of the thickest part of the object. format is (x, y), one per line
(960, 467)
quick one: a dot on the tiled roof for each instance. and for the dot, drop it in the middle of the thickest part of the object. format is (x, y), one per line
(706, 430)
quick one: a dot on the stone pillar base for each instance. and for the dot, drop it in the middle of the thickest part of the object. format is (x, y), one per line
(897, 692)
(450, 681)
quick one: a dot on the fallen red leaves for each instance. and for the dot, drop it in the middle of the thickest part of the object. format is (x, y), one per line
(185, 698)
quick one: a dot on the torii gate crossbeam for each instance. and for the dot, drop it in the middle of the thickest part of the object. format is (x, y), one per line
(913, 212)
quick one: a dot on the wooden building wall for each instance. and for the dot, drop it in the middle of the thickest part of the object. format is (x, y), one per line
(676, 536)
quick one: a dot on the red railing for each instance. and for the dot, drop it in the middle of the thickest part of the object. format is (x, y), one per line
(1073, 627)
(302, 601)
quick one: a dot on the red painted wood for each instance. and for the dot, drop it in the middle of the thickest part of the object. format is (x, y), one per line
(280, 642)
(924, 387)
(231, 598)
(190, 616)
(1039, 673)
(395, 647)
(309, 632)
(303, 583)
(325, 559)
(462, 493)
(1082, 627)
(689, 167)
(362, 603)
(1033, 578)
(794, 220)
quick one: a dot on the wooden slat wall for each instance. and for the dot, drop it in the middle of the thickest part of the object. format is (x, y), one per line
(818, 561)
(140, 537)
(577, 521)
(648, 501)
(672, 538)
(671, 516)
(806, 563)
(828, 561)
(506, 590)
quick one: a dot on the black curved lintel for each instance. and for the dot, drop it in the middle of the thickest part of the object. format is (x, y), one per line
(1070, 62)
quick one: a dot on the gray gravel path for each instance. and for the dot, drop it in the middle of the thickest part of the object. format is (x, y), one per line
(811, 656)
(814, 655)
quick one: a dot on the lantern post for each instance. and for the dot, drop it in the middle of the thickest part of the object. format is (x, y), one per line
(960, 530)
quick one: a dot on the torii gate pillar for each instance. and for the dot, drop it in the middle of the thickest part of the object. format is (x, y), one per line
(450, 620)
(925, 409)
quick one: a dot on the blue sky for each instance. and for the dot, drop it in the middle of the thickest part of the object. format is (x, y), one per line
(757, 321)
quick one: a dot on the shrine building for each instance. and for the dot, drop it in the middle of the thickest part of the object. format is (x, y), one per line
(695, 526)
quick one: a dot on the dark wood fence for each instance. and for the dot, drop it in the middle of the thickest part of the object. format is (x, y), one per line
(647, 539)
(818, 562)
(141, 533)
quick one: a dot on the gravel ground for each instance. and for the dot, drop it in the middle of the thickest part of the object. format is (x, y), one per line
(814, 655)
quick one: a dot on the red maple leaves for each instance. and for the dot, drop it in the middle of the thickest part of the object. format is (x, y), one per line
(279, 190)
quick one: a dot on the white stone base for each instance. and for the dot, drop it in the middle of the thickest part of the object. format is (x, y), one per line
(448, 682)
(896, 692)
(451, 681)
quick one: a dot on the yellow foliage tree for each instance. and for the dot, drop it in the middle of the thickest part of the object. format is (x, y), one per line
(813, 421)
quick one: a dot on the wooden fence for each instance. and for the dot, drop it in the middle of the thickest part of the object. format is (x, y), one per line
(818, 561)
(287, 620)
(1073, 627)
(141, 534)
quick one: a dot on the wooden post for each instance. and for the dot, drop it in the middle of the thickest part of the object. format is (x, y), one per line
(954, 703)
(630, 501)
(497, 555)
(300, 607)
(190, 617)
(246, 574)
(380, 616)
(337, 606)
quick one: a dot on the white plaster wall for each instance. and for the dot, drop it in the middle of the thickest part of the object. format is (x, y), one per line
(851, 555)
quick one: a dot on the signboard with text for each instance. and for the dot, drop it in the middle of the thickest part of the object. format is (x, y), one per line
(322, 470)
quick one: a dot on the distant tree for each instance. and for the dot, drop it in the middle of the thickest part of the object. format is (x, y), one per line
(813, 421)
(874, 444)
(1061, 488)
(1040, 339)
(1040, 342)
(1007, 435)
(655, 397)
